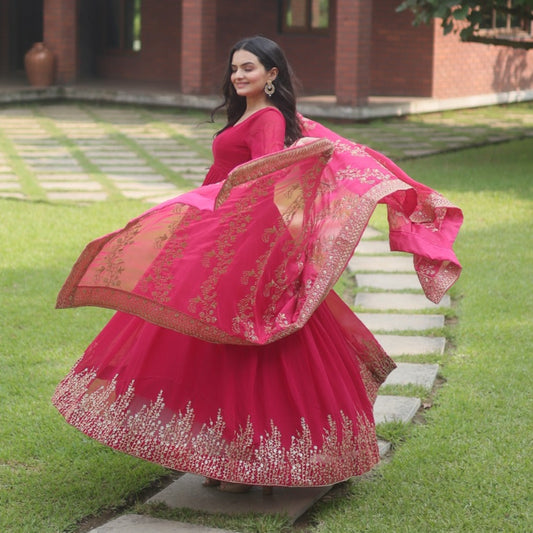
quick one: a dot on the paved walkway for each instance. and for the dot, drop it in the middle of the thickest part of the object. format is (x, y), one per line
(86, 153)
(83, 153)
(400, 312)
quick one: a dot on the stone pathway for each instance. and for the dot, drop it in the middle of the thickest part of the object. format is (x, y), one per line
(83, 153)
(383, 319)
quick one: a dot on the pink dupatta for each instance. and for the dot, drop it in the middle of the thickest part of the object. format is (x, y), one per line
(248, 260)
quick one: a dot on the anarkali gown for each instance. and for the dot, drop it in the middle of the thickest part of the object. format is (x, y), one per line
(230, 356)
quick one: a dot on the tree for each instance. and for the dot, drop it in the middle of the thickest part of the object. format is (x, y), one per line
(499, 22)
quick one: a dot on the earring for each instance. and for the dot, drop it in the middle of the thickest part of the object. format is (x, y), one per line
(270, 89)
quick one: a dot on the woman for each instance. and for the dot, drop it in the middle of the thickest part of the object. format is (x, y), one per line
(230, 356)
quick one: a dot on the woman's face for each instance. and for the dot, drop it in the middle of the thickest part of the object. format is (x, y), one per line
(248, 75)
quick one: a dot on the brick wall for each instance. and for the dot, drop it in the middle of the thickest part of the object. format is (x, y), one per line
(312, 56)
(198, 46)
(159, 57)
(352, 51)
(402, 55)
(465, 69)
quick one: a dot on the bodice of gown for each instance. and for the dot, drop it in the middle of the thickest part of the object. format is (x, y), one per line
(260, 134)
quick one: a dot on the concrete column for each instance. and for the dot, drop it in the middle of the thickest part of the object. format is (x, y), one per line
(198, 47)
(352, 51)
(60, 31)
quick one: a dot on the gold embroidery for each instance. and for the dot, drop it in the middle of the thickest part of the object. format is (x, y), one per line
(109, 273)
(346, 146)
(173, 241)
(179, 441)
(272, 163)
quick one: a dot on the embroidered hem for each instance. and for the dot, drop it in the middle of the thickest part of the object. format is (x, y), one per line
(180, 442)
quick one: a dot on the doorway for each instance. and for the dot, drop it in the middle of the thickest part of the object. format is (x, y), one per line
(25, 27)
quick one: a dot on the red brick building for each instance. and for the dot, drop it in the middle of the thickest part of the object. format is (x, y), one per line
(347, 48)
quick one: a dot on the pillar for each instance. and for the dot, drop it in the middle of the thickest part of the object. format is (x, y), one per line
(198, 47)
(352, 51)
(60, 31)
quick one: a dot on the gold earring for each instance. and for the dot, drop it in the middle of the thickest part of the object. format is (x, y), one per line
(270, 89)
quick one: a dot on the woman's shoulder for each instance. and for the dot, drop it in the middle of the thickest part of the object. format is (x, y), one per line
(265, 114)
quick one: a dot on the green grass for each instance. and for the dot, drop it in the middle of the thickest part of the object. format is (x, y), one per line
(468, 468)
(51, 476)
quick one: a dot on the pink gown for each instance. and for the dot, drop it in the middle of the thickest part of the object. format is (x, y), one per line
(230, 356)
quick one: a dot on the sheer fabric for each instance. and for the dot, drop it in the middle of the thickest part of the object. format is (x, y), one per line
(230, 355)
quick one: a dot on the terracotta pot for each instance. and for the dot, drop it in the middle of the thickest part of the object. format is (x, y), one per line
(39, 63)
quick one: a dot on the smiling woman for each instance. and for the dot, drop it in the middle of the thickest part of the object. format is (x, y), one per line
(230, 355)
(252, 81)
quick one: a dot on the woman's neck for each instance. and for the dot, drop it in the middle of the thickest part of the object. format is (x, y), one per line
(253, 107)
(255, 104)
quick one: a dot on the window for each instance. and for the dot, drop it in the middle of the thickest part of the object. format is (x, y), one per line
(495, 22)
(305, 15)
(123, 24)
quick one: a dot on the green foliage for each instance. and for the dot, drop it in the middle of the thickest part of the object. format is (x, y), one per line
(471, 16)
(394, 432)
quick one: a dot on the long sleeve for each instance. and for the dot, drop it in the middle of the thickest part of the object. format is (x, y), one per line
(266, 133)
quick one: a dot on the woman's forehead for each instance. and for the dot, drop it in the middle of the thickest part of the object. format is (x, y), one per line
(240, 57)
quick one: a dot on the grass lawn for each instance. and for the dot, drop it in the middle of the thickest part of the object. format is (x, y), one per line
(468, 468)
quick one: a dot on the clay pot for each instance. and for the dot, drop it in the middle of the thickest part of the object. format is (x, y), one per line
(39, 63)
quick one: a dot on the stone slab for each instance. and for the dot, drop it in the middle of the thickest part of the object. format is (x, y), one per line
(395, 408)
(389, 263)
(370, 233)
(144, 178)
(60, 162)
(11, 195)
(63, 177)
(45, 169)
(163, 198)
(397, 301)
(169, 151)
(125, 169)
(423, 375)
(189, 168)
(112, 160)
(109, 155)
(188, 492)
(183, 161)
(71, 185)
(139, 185)
(148, 195)
(133, 523)
(78, 196)
(397, 345)
(101, 144)
(400, 322)
(9, 185)
(388, 281)
(372, 247)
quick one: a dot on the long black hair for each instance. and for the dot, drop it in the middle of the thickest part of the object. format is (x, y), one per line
(270, 55)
